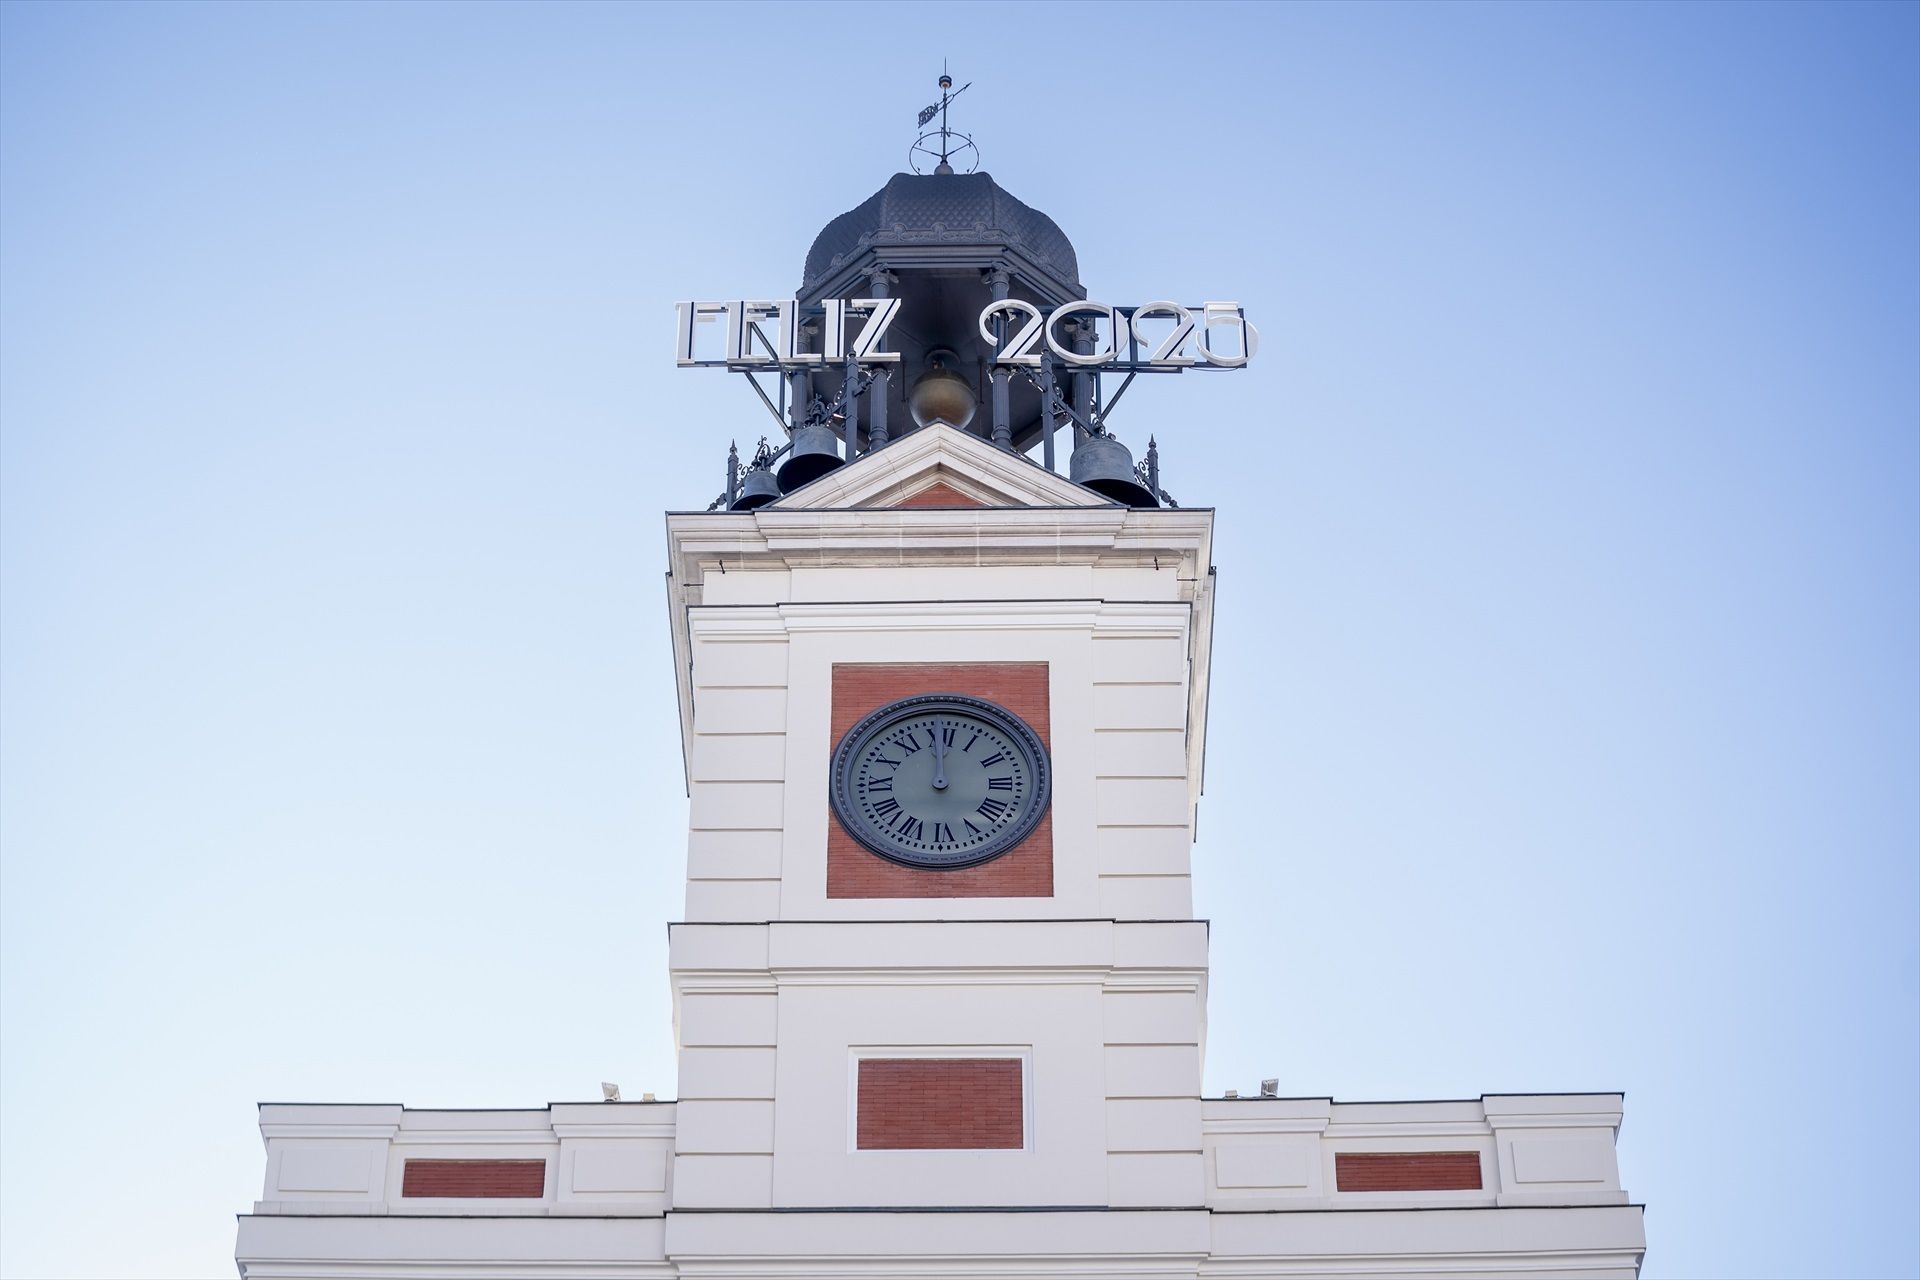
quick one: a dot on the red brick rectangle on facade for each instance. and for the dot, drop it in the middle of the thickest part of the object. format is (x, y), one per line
(1407, 1170)
(939, 494)
(475, 1179)
(860, 688)
(940, 1104)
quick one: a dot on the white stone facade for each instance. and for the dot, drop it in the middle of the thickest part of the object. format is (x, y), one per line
(1098, 990)
(1267, 1208)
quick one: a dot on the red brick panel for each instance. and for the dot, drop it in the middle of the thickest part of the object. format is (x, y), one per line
(475, 1179)
(945, 1104)
(854, 871)
(1407, 1170)
(939, 494)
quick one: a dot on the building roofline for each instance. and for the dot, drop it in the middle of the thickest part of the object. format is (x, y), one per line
(1420, 1102)
(583, 1102)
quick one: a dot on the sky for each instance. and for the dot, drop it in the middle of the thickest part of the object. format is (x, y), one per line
(1566, 715)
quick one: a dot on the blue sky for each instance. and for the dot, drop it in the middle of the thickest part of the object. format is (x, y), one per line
(1566, 721)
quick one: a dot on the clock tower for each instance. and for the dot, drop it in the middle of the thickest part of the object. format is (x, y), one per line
(944, 713)
(940, 1002)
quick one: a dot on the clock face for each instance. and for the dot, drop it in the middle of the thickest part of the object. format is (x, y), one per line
(940, 780)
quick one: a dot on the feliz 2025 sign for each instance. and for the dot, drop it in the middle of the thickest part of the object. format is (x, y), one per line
(1163, 336)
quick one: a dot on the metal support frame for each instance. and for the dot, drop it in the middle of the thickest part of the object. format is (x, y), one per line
(999, 281)
(777, 410)
(801, 380)
(1085, 381)
(1080, 399)
(1050, 395)
(1088, 407)
(850, 408)
(1047, 416)
(1110, 405)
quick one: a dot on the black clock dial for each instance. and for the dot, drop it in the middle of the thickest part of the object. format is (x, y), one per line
(940, 780)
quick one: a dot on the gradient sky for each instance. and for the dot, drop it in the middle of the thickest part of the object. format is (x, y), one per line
(1566, 722)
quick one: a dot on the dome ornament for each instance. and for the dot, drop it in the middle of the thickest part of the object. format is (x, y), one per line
(935, 150)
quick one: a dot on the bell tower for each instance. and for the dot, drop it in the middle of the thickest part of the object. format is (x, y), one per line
(1000, 340)
(943, 712)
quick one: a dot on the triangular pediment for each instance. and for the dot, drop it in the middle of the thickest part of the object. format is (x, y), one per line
(940, 466)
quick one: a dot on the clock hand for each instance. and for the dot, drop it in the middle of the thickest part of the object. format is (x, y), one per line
(939, 759)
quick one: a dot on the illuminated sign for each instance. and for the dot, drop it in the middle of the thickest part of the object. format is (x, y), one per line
(1215, 335)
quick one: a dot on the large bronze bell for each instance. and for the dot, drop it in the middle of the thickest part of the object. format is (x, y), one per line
(815, 451)
(1105, 466)
(757, 489)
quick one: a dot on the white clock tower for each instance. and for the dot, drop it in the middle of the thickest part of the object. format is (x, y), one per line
(939, 998)
(1023, 1032)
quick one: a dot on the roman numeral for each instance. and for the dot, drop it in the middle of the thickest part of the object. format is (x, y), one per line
(879, 784)
(995, 758)
(948, 732)
(883, 760)
(885, 807)
(999, 784)
(977, 831)
(909, 745)
(970, 741)
(912, 828)
(991, 809)
(942, 833)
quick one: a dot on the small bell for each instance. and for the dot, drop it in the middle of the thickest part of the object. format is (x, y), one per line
(1105, 466)
(757, 489)
(815, 451)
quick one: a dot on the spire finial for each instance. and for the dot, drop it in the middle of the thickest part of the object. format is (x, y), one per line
(942, 145)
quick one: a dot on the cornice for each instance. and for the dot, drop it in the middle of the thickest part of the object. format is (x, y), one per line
(477, 1136)
(1554, 1119)
(657, 1130)
(1179, 981)
(1109, 619)
(933, 536)
(1408, 1129)
(295, 1129)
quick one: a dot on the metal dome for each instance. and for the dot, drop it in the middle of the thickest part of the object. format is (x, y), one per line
(935, 210)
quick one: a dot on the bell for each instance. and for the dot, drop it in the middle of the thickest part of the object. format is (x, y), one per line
(1105, 466)
(815, 451)
(757, 489)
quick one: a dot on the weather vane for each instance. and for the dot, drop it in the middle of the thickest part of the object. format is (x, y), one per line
(941, 145)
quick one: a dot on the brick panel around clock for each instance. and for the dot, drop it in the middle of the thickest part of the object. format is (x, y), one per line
(853, 870)
(940, 1104)
(1407, 1170)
